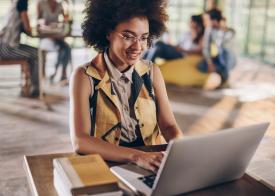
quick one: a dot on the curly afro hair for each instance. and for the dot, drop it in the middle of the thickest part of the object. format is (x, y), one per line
(102, 17)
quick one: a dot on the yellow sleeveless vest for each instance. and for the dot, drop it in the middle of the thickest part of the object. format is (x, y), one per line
(107, 115)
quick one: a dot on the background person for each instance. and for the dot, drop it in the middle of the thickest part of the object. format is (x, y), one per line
(190, 43)
(49, 11)
(17, 22)
(118, 100)
(218, 58)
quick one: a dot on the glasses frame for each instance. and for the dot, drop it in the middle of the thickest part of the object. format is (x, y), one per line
(131, 39)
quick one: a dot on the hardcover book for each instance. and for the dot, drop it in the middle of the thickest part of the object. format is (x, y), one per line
(79, 175)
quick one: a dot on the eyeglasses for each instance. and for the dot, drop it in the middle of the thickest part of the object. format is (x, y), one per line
(131, 39)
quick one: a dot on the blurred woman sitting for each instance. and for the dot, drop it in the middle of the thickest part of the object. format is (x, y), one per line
(190, 43)
(48, 14)
(17, 22)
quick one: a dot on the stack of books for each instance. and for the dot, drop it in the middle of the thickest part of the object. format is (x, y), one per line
(84, 175)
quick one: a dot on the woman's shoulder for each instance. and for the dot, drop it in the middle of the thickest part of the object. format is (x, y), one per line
(151, 67)
(146, 63)
(80, 72)
(80, 80)
(149, 64)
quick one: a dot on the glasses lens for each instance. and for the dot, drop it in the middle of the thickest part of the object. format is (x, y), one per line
(130, 39)
(144, 40)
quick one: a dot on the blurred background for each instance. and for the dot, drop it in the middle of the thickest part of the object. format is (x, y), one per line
(253, 21)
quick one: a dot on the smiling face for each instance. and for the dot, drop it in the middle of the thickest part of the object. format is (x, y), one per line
(128, 41)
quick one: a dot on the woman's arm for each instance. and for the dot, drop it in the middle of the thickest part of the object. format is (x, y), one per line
(22, 8)
(229, 34)
(166, 120)
(39, 13)
(186, 38)
(26, 22)
(64, 14)
(207, 50)
(195, 51)
(80, 90)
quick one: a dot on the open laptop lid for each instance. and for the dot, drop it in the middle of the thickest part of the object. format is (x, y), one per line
(197, 162)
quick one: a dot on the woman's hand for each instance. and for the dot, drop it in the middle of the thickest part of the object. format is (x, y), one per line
(148, 160)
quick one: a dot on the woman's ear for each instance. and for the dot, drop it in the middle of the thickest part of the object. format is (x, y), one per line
(108, 36)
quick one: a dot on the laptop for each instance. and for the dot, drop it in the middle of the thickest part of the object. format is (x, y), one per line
(196, 162)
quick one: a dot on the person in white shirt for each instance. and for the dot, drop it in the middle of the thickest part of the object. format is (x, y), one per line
(218, 58)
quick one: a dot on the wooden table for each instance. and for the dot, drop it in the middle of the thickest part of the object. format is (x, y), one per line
(39, 171)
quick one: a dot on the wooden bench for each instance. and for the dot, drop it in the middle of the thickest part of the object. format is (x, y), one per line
(25, 73)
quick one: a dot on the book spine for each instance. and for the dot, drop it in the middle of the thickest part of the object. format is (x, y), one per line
(70, 173)
(60, 187)
(61, 171)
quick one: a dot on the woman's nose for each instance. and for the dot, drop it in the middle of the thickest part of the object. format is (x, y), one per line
(137, 44)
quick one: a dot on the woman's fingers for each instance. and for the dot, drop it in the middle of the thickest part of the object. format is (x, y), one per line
(153, 168)
(150, 160)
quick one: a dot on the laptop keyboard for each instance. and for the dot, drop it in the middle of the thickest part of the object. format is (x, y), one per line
(148, 180)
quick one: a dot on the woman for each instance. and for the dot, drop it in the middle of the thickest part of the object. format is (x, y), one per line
(117, 100)
(49, 11)
(190, 43)
(10, 47)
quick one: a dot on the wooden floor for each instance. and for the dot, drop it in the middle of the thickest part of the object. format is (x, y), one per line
(27, 127)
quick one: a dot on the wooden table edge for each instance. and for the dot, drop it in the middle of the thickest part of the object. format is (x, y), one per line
(29, 176)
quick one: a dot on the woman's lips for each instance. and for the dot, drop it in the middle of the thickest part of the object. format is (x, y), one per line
(133, 55)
